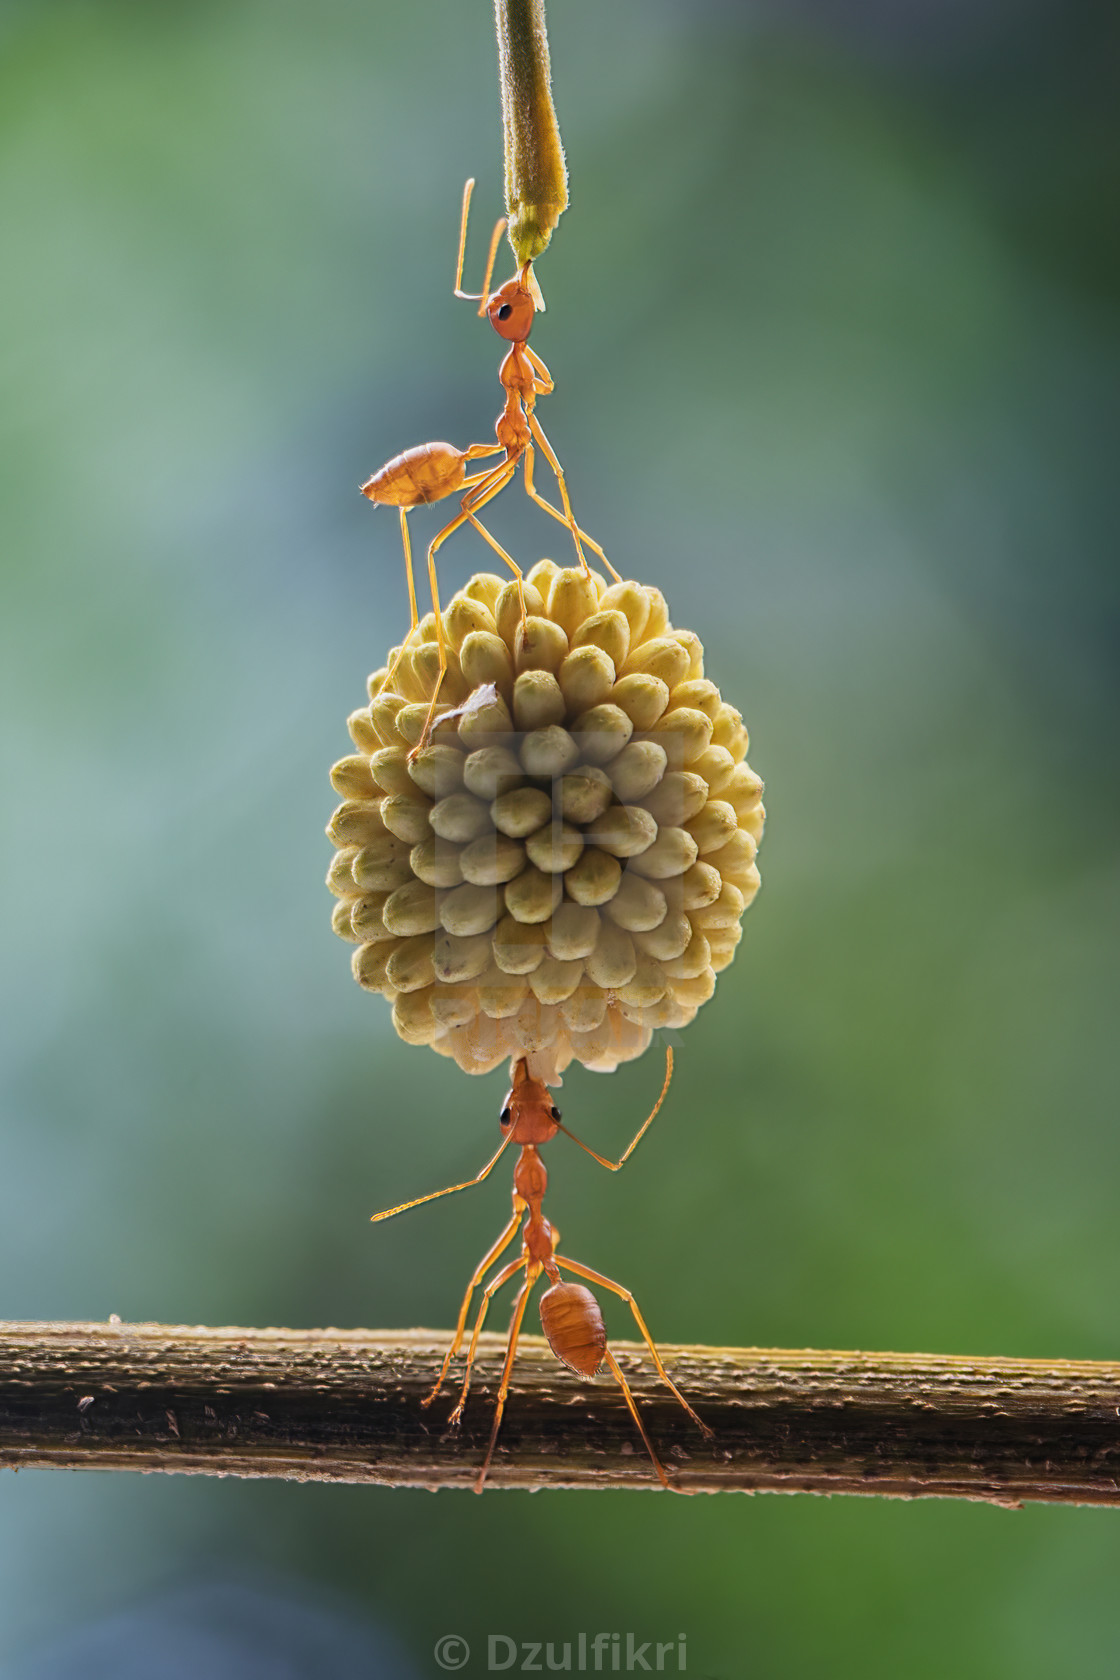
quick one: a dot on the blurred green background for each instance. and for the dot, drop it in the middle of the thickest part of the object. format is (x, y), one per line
(833, 318)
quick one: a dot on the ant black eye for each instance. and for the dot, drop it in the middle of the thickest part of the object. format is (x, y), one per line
(505, 312)
(506, 1117)
(555, 1112)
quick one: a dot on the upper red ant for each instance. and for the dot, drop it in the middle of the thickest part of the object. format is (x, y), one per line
(431, 471)
(570, 1315)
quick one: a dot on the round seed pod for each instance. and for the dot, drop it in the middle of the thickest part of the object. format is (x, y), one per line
(491, 859)
(406, 817)
(437, 770)
(437, 862)
(537, 700)
(547, 753)
(521, 811)
(583, 794)
(533, 895)
(459, 818)
(586, 678)
(555, 847)
(559, 865)
(491, 771)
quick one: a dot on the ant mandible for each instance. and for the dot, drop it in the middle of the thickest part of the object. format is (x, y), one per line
(570, 1315)
(431, 471)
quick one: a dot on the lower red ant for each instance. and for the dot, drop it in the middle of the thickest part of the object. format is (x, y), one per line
(570, 1315)
(431, 471)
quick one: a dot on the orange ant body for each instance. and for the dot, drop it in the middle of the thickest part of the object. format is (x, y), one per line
(570, 1315)
(431, 471)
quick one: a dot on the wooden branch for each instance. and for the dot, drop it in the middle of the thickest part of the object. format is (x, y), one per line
(344, 1405)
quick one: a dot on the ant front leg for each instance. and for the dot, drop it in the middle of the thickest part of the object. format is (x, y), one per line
(561, 483)
(487, 1296)
(480, 1272)
(533, 1272)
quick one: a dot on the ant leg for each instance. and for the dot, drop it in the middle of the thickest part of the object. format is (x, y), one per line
(434, 1195)
(550, 456)
(488, 1294)
(615, 1166)
(480, 1271)
(557, 515)
(620, 1379)
(544, 380)
(625, 1295)
(532, 1274)
(407, 541)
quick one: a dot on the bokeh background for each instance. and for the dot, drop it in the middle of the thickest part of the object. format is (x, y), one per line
(833, 318)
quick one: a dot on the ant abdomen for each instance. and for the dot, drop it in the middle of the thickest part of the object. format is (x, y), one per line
(574, 1327)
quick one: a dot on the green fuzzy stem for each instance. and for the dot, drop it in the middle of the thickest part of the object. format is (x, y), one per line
(536, 174)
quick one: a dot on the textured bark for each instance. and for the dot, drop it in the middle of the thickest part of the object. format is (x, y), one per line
(344, 1405)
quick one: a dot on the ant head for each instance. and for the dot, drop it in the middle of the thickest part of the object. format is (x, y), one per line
(529, 1114)
(511, 309)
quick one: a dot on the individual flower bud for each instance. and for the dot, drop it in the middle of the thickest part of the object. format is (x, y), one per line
(552, 980)
(554, 859)
(586, 678)
(485, 658)
(382, 865)
(459, 818)
(573, 931)
(547, 753)
(437, 770)
(340, 875)
(632, 601)
(537, 700)
(672, 853)
(520, 812)
(491, 771)
(369, 963)
(663, 658)
(491, 859)
(555, 847)
(410, 966)
(362, 732)
(509, 610)
(532, 896)
(411, 909)
(573, 597)
(340, 920)
(356, 822)
(583, 794)
(539, 645)
(594, 878)
(643, 698)
(638, 905)
(464, 617)
(406, 817)
(469, 909)
(678, 797)
(624, 831)
(638, 770)
(518, 946)
(437, 862)
(601, 733)
(608, 631)
(351, 778)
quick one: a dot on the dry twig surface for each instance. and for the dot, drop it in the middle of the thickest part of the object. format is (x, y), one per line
(344, 1405)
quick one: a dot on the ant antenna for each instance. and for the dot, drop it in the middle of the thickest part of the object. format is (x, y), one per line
(614, 1166)
(499, 229)
(434, 1195)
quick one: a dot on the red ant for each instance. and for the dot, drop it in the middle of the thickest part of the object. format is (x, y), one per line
(431, 471)
(570, 1315)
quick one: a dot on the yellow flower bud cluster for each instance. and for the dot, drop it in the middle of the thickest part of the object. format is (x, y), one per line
(564, 866)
